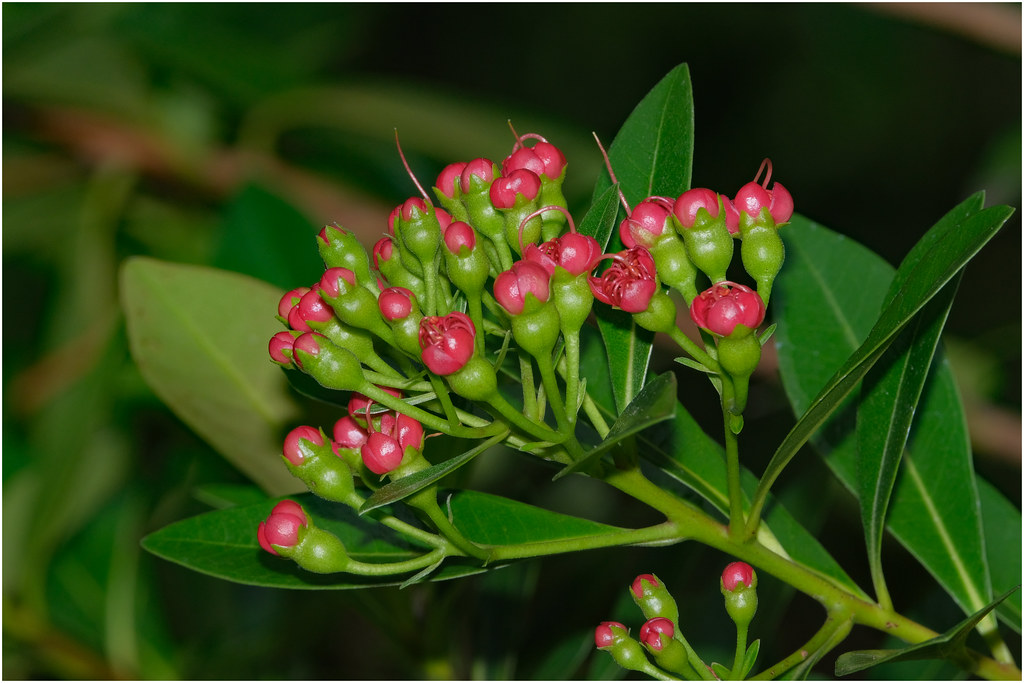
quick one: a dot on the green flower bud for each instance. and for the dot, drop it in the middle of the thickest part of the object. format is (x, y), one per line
(660, 315)
(739, 587)
(310, 457)
(341, 249)
(761, 250)
(475, 380)
(653, 598)
(709, 243)
(331, 366)
(674, 266)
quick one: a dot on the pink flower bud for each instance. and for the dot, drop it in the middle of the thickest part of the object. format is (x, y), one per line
(406, 430)
(482, 170)
(638, 584)
(652, 631)
(505, 189)
(645, 224)
(281, 347)
(336, 281)
(629, 283)
(395, 303)
(737, 573)
(281, 528)
(524, 157)
(290, 300)
(576, 253)
(312, 308)
(605, 637)
(459, 235)
(382, 251)
(552, 158)
(723, 306)
(348, 433)
(447, 342)
(525, 277)
(752, 197)
(413, 207)
(447, 178)
(307, 343)
(392, 217)
(293, 449)
(690, 201)
(381, 453)
(444, 219)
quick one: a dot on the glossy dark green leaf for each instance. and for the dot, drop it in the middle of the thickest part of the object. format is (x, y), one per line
(953, 241)
(223, 543)
(950, 645)
(655, 403)
(395, 491)
(600, 219)
(889, 398)
(830, 291)
(652, 154)
(1001, 521)
(199, 337)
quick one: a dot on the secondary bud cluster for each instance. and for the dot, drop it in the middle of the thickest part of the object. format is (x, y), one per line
(660, 638)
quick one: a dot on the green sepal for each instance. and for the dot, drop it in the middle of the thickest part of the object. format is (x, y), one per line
(357, 306)
(420, 234)
(709, 244)
(572, 298)
(476, 380)
(655, 600)
(673, 656)
(660, 315)
(317, 551)
(536, 329)
(514, 216)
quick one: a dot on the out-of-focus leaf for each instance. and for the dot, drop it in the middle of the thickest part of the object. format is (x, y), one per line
(199, 337)
(267, 238)
(1002, 524)
(831, 291)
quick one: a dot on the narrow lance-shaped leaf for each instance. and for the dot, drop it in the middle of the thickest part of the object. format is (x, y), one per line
(655, 403)
(830, 291)
(889, 398)
(950, 645)
(951, 247)
(651, 155)
(406, 486)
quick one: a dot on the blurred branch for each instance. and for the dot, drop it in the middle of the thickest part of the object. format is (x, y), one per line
(995, 25)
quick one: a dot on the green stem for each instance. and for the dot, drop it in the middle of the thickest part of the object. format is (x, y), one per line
(655, 535)
(517, 419)
(732, 467)
(426, 502)
(741, 652)
(834, 630)
(427, 419)
(594, 413)
(388, 568)
(547, 376)
(697, 353)
(530, 405)
(446, 401)
(572, 374)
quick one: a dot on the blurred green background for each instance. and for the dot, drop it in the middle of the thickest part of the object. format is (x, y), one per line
(227, 135)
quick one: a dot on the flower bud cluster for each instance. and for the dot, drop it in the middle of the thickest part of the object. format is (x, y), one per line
(660, 638)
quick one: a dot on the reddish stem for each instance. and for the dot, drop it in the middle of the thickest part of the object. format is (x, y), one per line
(409, 170)
(767, 162)
(608, 165)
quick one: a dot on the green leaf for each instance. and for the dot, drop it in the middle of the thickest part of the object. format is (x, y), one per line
(830, 292)
(600, 219)
(1002, 523)
(199, 337)
(652, 154)
(406, 486)
(750, 657)
(889, 399)
(222, 543)
(267, 238)
(950, 645)
(951, 243)
(655, 403)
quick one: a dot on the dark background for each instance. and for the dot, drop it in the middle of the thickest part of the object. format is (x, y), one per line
(165, 129)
